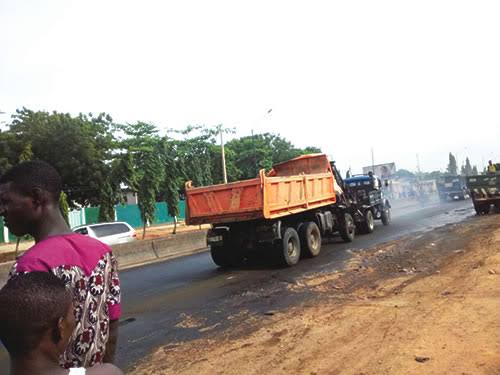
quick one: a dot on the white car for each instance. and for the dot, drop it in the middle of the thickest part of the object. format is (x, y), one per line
(109, 233)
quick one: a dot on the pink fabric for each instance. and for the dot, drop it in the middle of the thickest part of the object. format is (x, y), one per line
(69, 249)
(115, 311)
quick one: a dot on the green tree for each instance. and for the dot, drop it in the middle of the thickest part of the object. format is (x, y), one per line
(173, 179)
(26, 154)
(64, 206)
(8, 154)
(78, 147)
(466, 169)
(149, 185)
(233, 173)
(474, 171)
(107, 201)
(261, 151)
(194, 153)
(121, 171)
(143, 143)
(452, 168)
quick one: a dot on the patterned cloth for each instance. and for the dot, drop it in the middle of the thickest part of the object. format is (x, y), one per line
(90, 270)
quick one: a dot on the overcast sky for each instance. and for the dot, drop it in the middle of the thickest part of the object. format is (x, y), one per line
(400, 77)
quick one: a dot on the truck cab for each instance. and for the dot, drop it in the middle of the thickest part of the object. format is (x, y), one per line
(452, 188)
(368, 197)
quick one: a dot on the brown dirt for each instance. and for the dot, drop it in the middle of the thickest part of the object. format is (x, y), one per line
(426, 304)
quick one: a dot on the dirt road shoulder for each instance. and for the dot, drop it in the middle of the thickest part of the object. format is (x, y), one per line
(424, 304)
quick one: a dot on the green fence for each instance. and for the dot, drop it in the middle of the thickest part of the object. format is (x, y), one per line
(12, 238)
(129, 214)
(132, 215)
(91, 215)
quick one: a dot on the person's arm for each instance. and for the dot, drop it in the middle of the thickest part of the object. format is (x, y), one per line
(114, 308)
(109, 356)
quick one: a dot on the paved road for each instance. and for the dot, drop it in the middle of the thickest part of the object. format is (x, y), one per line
(158, 298)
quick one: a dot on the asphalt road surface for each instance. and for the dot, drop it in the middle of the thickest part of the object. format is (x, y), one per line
(158, 298)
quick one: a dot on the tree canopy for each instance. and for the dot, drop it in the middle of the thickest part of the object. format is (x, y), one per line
(98, 159)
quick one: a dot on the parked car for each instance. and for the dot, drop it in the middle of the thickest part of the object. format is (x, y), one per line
(109, 233)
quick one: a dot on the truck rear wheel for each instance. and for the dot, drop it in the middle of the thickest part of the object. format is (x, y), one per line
(225, 257)
(347, 228)
(482, 209)
(310, 239)
(386, 216)
(368, 223)
(288, 248)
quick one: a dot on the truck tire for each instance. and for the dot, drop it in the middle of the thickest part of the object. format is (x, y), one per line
(310, 239)
(478, 209)
(347, 228)
(386, 216)
(368, 223)
(288, 248)
(482, 209)
(225, 257)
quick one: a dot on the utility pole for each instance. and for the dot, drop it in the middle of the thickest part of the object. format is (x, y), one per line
(418, 164)
(254, 155)
(224, 173)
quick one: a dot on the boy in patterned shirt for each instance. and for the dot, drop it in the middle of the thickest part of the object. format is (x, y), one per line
(29, 204)
(37, 334)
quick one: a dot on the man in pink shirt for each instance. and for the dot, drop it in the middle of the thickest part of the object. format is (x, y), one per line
(29, 204)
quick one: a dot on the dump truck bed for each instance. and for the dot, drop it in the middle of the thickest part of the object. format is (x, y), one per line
(295, 186)
(484, 187)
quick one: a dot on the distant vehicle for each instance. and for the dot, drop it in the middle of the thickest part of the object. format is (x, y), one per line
(452, 188)
(110, 233)
(485, 191)
(369, 201)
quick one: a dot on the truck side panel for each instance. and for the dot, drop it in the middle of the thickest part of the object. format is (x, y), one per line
(236, 201)
(290, 195)
(264, 197)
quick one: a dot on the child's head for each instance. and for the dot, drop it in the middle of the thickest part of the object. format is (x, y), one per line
(36, 314)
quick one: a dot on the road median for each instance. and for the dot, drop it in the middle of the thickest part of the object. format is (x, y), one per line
(137, 253)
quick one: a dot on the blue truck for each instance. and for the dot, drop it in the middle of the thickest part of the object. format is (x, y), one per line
(452, 188)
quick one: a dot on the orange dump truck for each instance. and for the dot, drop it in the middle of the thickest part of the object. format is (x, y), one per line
(285, 212)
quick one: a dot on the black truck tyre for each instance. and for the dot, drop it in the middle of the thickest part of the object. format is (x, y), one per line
(226, 256)
(347, 228)
(288, 248)
(368, 224)
(478, 209)
(386, 216)
(310, 239)
(220, 256)
(482, 209)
